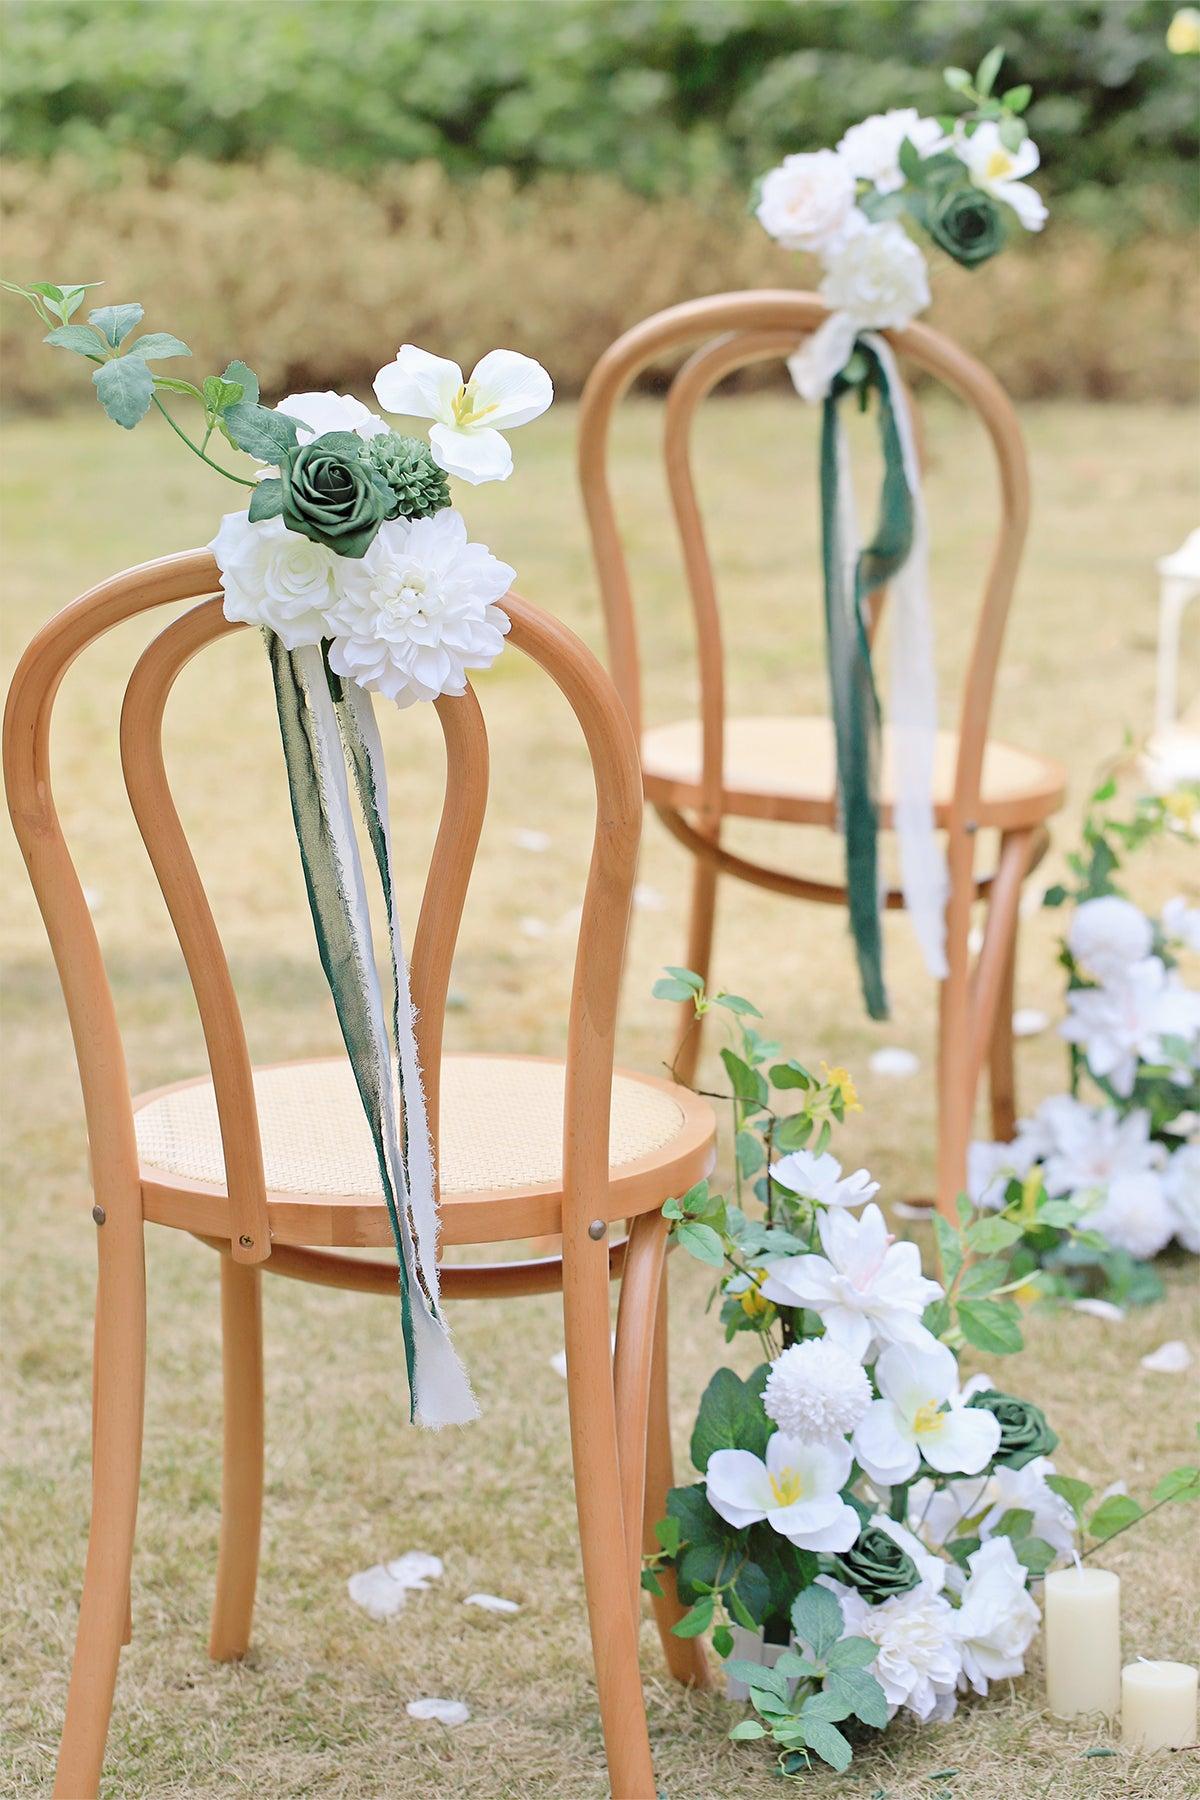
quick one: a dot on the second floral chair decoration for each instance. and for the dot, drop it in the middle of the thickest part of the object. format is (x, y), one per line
(960, 181)
(362, 578)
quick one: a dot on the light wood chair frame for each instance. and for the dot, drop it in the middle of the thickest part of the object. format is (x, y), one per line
(618, 1402)
(734, 331)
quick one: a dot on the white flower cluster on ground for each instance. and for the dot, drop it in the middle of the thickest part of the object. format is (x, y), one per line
(417, 612)
(1135, 1018)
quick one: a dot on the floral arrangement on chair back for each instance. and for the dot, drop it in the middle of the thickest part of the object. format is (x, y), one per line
(361, 575)
(958, 181)
(868, 1531)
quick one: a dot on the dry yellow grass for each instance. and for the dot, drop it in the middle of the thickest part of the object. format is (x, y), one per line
(319, 1706)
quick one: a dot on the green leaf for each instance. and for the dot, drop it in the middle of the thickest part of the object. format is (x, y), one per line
(79, 338)
(125, 387)
(730, 1417)
(1017, 1522)
(936, 1317)
(156, 345)
(950, 1251)
(697, 1619)
(827, 1705)
(1012, 131)
(828, 1743)
(910, 162)
(861, 1694)
(793, 1132)
(747, 1729)
(114, 323)
(246, 379)
(266, 501)
(1075, 1493)
(757, 1675)
(722, 1640)
(1113, 1515)
(750, 1596)
(817, 1620)
(688, 976)
(261, 432)
(668, 1535)
(989, 68)
(1055, 895)
(983, 1277)
(791, 1074)
(734, 1003)
(957, 80)
(220, 395)
(995, 1233)
(748, 1084)
(651, 1583)
(991, 1326)
(667, 989)
(798, 1668)
(171, 385)
(1018, 98)
(1061, 1214)
(1035, 1553)
(1180, 1484)
(700, 1241)
(852, 1653)
(750, 1153)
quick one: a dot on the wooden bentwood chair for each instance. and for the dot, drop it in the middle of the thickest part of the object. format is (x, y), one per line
(265, 1164)
(698, 772)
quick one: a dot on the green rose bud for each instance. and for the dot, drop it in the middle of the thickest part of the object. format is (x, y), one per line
(419, 487)
(876, 1566)
(967, 223)
(332, 495)
(1024, 1432)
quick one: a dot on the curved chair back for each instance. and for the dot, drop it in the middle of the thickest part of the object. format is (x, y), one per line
(193, 576)
(732, 331)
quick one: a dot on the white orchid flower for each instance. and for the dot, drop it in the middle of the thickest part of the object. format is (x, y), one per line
(921, 1414)
(998, 171)
(796, 1490)
(505, 390)
(1127, 1021)
(820, 1178)
(867, 1288)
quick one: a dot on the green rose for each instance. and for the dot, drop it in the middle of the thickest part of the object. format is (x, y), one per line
(332, 495)
(418, 486)
(967, 223)
(876, 1566)
(1024, 1432)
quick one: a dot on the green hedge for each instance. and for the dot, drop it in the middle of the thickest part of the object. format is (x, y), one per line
(668, 95)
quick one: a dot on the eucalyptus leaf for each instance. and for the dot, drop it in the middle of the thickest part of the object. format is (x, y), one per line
(155, 345)
(266, 501)
(817, 1620)
(260, 432)
(125, 387)
(861, 1695)
(746, 1730)
(79, 338)
(828, 1743)
(246, 379)
(114, 323)
(700, 1241)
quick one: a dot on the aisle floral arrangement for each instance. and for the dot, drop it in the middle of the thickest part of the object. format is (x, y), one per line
(1118, 1154)
(361, 575)
(868, 1531)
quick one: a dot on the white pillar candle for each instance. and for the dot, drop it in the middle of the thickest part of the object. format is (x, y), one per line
(1083, 1641)
(1158, 1705)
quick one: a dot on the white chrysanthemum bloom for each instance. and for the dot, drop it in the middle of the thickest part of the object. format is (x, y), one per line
(328, 411)
(796, 1490)
(999, 171)
(1181, 923)
(1025, 1490)
(275, 577)
(1094, 1145)
(505, 390)
(418, 610)
(1128, 1020)
(868, 1290)
(921, 1414)
(816, 1392)
(1181, 1186)
(872, 148)
(998, 1618)
(1107, 935)
(806, 202)
(919, 1661)
(1134, 1215)
(820, 1178)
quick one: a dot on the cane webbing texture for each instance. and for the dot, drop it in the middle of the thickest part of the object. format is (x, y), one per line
(501, 1127)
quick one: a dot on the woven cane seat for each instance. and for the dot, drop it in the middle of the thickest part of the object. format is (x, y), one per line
(784, 768)
(500, 1152)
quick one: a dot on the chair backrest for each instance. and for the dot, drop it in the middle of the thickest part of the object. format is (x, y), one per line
(733, 331)
(193, 576)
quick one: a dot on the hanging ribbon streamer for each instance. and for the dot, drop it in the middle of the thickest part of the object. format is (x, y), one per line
(326, 725)
(897, 557)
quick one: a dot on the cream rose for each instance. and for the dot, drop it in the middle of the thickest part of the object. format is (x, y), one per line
(808, 200)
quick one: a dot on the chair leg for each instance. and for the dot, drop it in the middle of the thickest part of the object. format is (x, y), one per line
(701, 920)
(684, 1656)
(118, 1395)
(956, 1070)
(242, 1467)
(591, 1398)
(1002, 1079)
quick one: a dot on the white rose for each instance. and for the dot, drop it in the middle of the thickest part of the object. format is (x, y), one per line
(275, 577)
(877, 276)
(1108, 934)
(807, 200)
(997, 1620)
(872, 148)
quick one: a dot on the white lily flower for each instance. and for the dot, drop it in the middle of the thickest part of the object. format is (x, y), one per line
(1126, 1021)
(1025, 1490)
(921, 1414)
(796, 1490)
(1094, 1144)
(868, 1289)
(998, 171)
(998, 1618)
(505, 390)
(820, 1178)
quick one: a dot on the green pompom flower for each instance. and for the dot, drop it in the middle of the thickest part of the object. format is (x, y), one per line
(876, 1566)
(1024, 1432)
(968, 224)
(406, 464)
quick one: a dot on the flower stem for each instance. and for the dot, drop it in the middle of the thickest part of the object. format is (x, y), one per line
(196, 450)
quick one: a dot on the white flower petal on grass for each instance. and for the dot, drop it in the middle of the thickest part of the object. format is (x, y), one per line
(416, 1569)
(1100, 1309)
(998, 1618)
(893, 1061)
(418, 610)
(868, 1289)
(796, 1490)
(872, 147)
(535, 841)
(807, 200)
(492, 1603)
(274, 577)
(648, 899)
(331, 412)
(919, 1661)
(382, 1589)
(1171, 1358)
(445, 1712)
(999, 171)
(505, 390)
(1029, 1021)
(820, 1178)
(921, 1414)
(816, 1392)
(1134, 1215)
(1109, 934)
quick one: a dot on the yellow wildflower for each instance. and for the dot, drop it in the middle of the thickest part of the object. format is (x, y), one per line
(840, 1081)
(1183, 33)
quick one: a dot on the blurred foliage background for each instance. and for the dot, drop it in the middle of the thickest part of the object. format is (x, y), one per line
(548, 171)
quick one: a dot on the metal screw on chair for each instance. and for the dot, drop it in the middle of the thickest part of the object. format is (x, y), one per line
(246, 1241)
(99, 1214)
(597, 1229)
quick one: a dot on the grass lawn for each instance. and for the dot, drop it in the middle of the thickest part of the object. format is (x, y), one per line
(319, 1705)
